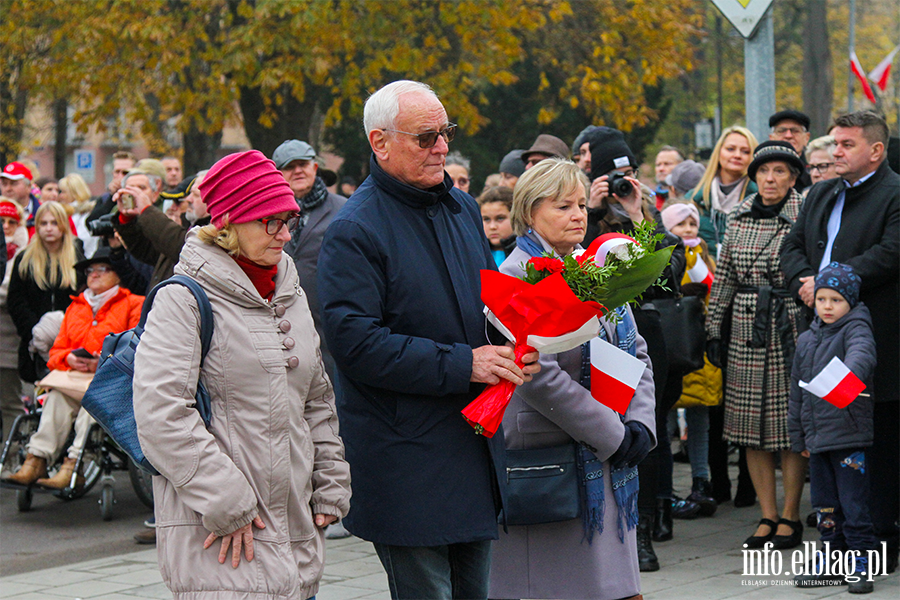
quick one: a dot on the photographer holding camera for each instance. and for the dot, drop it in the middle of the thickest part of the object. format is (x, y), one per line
(148, 234)
(618, 204)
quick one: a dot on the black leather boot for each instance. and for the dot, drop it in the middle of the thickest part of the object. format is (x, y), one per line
(662, 520)
(647, 560)
(701, 493)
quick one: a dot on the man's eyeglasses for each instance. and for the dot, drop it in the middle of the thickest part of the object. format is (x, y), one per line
(793, 130)
(101, 269)
(429, 138)
(821, 167)
(274, 225)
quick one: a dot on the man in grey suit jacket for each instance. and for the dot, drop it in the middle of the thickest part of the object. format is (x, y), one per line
(297, 162)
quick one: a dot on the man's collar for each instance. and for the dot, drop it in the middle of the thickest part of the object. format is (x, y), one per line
(411, 195)
(859, 181)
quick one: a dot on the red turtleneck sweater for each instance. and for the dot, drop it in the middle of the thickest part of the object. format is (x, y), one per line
(263, 278)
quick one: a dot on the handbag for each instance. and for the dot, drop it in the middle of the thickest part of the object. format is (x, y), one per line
(71, 383)
(110, 398)
(542, 485)
(683, 327)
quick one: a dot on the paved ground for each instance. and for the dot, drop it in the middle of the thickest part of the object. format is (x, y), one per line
(704, 561)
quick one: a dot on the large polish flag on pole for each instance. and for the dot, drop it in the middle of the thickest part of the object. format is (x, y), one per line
(615, 374)
(879, 75)
(857, 69)
(836, 383)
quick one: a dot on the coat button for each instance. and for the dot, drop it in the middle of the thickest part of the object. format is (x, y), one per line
(284, 326)
(288, 343)
(821, 245)
(94, 323)
(279, 310)
(293, 362)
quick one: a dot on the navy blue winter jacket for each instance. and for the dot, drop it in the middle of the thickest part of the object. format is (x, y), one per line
(399, 284)
(815, 424)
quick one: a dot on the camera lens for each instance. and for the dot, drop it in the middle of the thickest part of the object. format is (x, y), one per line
(620, 186)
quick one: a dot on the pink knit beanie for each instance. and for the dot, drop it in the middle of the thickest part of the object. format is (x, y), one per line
(678, 212)
(245, 186)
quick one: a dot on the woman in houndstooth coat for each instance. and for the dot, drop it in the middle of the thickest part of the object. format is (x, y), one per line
(749, 290)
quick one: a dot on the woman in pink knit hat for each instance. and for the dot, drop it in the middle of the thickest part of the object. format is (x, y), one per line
(241, 507)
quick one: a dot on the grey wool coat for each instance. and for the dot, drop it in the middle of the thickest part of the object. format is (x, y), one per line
(304, 249)
(554, 560)
(815, 424)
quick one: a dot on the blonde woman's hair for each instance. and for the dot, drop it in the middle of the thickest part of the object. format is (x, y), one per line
(224, 237)
(549, 179)
(78, 190)
(76, 187)
(46, 269)
(712, 169)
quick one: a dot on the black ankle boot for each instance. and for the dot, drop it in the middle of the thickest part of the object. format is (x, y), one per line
(701, 493)
(647, 560)
(662, 520)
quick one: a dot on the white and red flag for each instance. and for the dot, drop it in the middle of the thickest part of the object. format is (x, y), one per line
(857, 69)
(836, 383)
(879, 75)
(615, 374)
(700, 273)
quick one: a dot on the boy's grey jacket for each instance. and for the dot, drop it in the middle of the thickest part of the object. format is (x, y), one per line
(815, 424)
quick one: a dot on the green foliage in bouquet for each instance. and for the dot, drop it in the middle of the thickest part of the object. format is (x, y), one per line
(629, 270)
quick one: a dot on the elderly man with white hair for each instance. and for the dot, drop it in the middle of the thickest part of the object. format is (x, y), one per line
(400, 289)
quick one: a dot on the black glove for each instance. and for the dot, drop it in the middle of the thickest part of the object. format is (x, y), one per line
(634, 448)
(714, 352)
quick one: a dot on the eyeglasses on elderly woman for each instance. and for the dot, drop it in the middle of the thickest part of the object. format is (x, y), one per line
(274, 224)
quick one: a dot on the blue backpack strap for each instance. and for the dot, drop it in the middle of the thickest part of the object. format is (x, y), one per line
(206, 314)
(206, 331)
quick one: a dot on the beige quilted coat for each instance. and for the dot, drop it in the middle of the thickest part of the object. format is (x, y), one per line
(272, 450)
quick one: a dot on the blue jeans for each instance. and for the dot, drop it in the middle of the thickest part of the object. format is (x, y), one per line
(455, 571)
(697, 418)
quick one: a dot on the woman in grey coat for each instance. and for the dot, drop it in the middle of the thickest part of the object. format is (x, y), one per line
(575, 558)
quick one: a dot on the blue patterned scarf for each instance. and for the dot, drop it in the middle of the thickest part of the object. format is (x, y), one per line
(624, 480)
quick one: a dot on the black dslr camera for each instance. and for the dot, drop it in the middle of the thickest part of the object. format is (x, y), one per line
(102, 227)
(619, 186)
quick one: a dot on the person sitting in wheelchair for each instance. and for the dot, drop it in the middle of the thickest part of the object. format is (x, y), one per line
(102, 308)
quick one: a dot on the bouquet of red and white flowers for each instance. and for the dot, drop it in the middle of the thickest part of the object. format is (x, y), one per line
(557, 305)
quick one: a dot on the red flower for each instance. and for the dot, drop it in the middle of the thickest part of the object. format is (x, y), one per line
(551, 265)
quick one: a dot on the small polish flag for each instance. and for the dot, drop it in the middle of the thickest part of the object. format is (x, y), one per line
(880, 73)
(836, 383)
(602, 246)
(615, 375)
(857, 69)
(699, 273)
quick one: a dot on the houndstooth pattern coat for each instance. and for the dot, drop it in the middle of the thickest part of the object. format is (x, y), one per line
(757, 379)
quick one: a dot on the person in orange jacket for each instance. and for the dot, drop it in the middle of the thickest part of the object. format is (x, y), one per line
(102, 308)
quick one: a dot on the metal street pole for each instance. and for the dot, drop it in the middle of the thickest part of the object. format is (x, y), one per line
(850, 52)
(759, 77)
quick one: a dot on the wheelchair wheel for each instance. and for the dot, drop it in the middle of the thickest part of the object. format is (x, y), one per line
(142, 481)
(23, 499)
(14, 449)
(91, 464)
(107, 499)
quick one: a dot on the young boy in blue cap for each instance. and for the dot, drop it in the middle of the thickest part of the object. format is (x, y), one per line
(834, 439)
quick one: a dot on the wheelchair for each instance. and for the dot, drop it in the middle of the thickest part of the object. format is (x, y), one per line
(97, 461)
